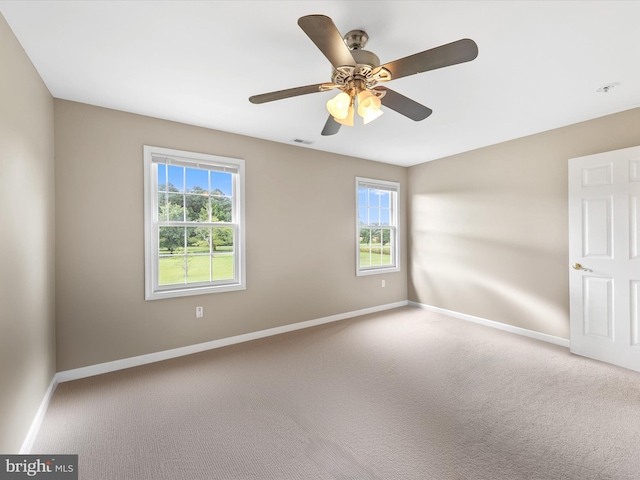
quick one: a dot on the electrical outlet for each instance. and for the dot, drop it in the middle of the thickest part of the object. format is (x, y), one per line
(199, 312)
(383, 284)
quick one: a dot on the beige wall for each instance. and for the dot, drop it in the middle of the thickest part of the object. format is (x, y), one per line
(27, 347)
(300, 212)
(488, 229)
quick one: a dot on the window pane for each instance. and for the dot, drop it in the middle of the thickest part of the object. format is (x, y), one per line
(223, 257)
(362, 215)
(374, 216)
(386, 236)
(376, 236)
(365, 257)
(221, 183)
(163, 215)
(176, 179)
(172, 270)
(374, 198)
(198, 268)
(220, 209)
(222, 239)
(384, 199)
(385, 214)
(175, 208)
(162, 178)
(222, 266)
(198, 240)
(386, 256)
(197, 180)
(196, 208)
(171, 240)
(362, 197)
(365, 236)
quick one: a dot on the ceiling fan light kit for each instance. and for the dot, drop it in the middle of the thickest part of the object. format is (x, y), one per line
(371, 116)
(338, 106)
(348, 119)
(357, 72)
(368, 104)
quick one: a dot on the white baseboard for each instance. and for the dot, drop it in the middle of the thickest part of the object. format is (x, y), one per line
(37, 421)
(83, 372)
(563, 342)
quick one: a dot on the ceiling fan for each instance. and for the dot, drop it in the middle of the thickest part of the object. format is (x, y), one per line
(357, 72)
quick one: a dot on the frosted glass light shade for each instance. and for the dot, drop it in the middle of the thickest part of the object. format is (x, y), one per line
(371, 116)
(338, 106)
(368, 103)
(348, 121)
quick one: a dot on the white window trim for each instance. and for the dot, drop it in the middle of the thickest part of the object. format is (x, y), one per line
(152, 290)
(375, 270)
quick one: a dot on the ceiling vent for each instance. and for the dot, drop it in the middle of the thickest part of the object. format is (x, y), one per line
(607, 87)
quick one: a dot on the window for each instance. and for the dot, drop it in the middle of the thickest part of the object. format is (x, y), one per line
(377, 243)
(194, 223)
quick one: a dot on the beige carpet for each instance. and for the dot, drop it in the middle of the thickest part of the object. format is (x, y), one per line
(405, 394)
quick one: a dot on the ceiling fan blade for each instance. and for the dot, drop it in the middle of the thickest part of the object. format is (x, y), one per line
(323, 32)
(289, 92)
(404, 105)
(331, 127)
(461, 51)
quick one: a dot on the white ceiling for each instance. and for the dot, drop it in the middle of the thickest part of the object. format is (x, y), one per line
(539, 66)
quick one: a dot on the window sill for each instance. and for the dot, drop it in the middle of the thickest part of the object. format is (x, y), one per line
(376, 271)
(189, 291)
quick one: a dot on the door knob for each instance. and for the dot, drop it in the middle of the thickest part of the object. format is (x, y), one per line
(577, 266)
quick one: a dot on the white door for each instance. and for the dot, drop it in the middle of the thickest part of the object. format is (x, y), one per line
(604, 253)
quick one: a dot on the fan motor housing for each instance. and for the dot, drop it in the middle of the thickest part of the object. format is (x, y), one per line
(365, 57)
(366, 71)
